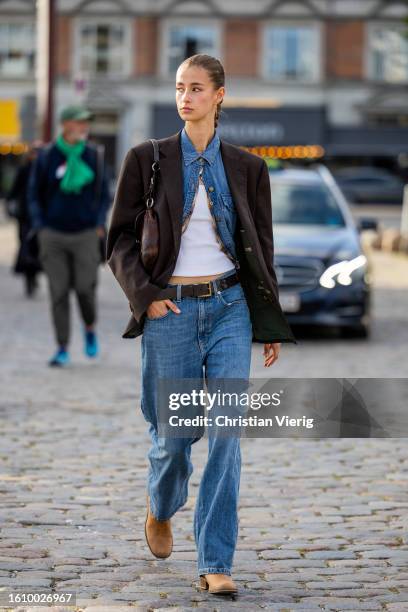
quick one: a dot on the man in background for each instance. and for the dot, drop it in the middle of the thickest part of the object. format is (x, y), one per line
(68, 200)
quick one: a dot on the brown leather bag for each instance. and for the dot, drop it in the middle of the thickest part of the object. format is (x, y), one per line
(146, 222)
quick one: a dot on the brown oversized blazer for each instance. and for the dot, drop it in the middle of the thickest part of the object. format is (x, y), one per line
(248, 179)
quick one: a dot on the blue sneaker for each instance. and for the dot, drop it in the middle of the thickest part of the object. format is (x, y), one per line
(91, 347)
(60, 359)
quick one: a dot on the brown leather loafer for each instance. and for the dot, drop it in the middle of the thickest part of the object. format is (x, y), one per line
(158, 534)
(218, 584)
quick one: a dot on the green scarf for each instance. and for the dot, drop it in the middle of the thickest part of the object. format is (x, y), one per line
(78, 173)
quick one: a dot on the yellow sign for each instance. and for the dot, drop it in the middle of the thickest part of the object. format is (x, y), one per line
(10, 126)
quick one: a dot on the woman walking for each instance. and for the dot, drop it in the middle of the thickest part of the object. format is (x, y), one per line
(212, 291)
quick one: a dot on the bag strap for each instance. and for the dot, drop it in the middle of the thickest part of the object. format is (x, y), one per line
(155, 149)
(155, 168)
(148, 196)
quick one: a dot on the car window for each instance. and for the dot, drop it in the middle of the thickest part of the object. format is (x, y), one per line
(305, 204)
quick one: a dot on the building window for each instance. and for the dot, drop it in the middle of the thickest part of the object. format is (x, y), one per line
(104, 49)
(292, 53)
(389, 54)
(184, 40)
(17, 49)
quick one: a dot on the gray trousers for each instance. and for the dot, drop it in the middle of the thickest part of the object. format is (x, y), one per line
(70, 261)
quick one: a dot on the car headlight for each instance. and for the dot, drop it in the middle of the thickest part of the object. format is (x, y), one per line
(341, 271)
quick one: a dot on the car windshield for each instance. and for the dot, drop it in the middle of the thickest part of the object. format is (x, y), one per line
(308, 204)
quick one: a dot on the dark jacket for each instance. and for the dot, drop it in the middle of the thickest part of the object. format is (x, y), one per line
(67, 212)
(248, 179)
(18, 192)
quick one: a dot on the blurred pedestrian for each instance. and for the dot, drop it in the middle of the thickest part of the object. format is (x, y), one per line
(68, 200)
(17, 207)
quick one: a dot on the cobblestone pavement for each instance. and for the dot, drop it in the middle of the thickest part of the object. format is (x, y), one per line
(323, 523)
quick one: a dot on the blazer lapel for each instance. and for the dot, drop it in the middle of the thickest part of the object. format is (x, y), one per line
(172, 176)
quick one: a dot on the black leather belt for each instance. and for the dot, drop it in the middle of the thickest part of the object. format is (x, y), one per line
(199, 289)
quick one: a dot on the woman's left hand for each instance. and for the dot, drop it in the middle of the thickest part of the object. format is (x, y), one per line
(271, 353)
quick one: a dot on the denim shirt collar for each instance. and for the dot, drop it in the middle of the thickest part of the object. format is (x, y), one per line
(190, 154)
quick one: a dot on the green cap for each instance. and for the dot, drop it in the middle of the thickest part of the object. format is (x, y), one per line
(75, 113)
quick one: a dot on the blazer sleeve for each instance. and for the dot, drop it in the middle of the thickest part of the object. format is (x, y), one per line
(123, 256)
(263, 222)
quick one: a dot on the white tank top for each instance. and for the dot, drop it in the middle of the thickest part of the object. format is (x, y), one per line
(200, 252)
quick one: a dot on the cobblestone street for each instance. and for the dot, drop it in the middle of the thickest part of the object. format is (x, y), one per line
(323, 523)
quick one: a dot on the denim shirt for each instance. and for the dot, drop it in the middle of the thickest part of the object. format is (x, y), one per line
(209, 166)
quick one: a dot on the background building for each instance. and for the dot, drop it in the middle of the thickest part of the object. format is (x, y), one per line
(328, 73)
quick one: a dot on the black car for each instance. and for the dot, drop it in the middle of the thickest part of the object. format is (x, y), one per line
(323, 273)
(370, 185)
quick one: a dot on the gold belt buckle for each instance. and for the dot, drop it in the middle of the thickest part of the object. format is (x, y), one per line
(210, 289)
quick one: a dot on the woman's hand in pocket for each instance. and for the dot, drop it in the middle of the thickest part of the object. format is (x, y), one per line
(158, 308)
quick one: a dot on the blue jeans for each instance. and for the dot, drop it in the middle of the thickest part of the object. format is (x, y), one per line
(213, 334)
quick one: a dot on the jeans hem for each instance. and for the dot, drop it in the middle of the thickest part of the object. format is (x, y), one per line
(214, 570)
